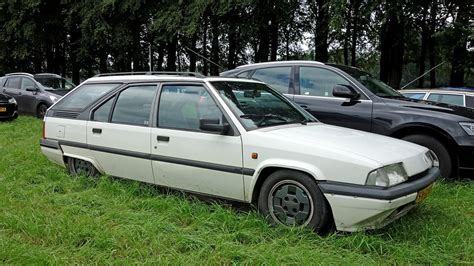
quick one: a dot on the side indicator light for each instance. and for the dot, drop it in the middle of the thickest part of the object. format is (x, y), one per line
(254, 155)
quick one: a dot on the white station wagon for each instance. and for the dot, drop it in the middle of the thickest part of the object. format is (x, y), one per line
(240, 140)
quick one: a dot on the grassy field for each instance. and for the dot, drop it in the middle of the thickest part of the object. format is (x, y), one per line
(47, 216)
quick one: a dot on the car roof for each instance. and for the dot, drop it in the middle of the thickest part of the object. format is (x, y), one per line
(277, 63)
(449, 91)
(144, 78)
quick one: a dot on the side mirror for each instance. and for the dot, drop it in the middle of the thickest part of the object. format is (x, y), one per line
(213, 126)
(345, 91)
(31, 89)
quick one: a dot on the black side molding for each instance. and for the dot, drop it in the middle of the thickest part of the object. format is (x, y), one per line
(48, 143)
(380, 193)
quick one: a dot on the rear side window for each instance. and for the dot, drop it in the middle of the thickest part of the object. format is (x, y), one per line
(447, 98)
(470, 101)
(85, 96)
(277, 77)
(418, 96)
(13, 83)
(133, 106)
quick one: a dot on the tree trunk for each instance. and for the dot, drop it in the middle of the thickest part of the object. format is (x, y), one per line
(159, 60)
(425, 35)
(461, 27)
(171, 54)
(192, 55)
(231, 57)
(321, 33)
(74, 46)
(431, 43)
(355, 28)
(215, 45)
(262, 13)
(392, 50)
(274, 39)
(204, 47)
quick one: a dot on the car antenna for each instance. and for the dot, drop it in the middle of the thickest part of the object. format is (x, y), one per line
(433, 68)
(203, 57)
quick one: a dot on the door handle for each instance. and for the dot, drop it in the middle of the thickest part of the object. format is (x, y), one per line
(163, 138)
(19, 93)
(97, 130)
(304, 107)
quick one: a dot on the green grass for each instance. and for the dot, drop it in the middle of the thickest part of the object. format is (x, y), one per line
(47, 216)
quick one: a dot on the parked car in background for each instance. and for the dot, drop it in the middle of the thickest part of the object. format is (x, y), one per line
(35, 93)
(454, 96)
(8, 107)
(349, 97)
(241, 140)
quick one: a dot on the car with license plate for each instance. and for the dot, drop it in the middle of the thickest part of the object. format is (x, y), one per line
(35, 93)
(239, 140)
(350, 97)
(8, 107)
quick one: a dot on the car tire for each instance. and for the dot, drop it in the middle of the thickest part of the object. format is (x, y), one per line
(41, 110)
(444, 158)
(293, 198)
(80, 167)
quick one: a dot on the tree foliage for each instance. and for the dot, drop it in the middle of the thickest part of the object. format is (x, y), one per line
(397, 40)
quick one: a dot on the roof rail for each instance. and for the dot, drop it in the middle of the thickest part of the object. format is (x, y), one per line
(189, 74)
(284, 62)
(47, 74)
(19, 73)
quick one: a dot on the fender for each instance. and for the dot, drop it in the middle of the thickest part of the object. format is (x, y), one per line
(310, 169)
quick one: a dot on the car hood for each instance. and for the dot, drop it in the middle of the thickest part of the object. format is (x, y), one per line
(378, 149)
(454, 110)
(4, 97)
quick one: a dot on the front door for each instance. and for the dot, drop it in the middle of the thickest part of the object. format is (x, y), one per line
(188, 158)
(314, 87)
(28, 98)
(12, 88)
(118, 133)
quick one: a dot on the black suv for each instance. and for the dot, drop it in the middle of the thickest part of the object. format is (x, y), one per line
(349, 97)
(35, 93)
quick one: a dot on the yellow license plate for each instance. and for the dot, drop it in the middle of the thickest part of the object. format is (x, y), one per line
(3, 109)
(423, 194)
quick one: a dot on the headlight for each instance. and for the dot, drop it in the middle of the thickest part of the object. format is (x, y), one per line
(12, 100)
(387, 176)
(53, 98)
(468, 127)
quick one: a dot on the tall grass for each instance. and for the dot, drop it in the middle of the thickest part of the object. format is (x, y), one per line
(47, 216)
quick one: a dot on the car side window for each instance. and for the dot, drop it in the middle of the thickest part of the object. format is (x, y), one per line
(84, 96)
(276, 77)
(414, 95)
(133, 105)
(447, 98)
(27, 83)
(183, 106)
(101, 114)
(470, 101)
(316, 81)
(13, 83)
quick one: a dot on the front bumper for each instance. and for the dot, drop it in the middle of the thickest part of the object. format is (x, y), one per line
(11, 111)
(359, 207)
(466, 161)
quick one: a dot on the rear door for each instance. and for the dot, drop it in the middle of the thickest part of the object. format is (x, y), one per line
(188, 158)
(118, 133)
(314, 87)
(279, 78)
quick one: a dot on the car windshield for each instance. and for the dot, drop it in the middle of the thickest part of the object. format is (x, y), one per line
(54, 83)
(375, 85)
(257, 106)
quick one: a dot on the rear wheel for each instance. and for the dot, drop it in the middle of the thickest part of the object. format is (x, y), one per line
(293, 198)
(41, 110)
(444, 159)
(80, 167)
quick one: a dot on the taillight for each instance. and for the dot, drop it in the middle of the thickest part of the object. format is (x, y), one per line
(44, 131)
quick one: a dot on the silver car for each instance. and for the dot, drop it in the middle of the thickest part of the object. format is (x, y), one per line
(461, 97)
(35, 93)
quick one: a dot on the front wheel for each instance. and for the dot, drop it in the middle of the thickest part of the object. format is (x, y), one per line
(293, 198)
(41, 110)
(80, 167)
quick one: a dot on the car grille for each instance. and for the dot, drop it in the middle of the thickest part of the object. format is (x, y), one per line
(417, 176)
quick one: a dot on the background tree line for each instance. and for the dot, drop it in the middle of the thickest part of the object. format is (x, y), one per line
(397, 40)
